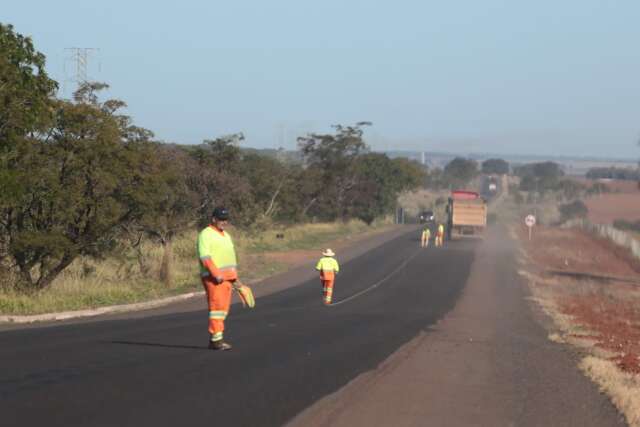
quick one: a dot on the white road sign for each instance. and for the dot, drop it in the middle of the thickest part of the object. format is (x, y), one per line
(530, 220)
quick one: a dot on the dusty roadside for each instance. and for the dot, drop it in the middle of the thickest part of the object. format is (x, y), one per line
(590, 288)
(486, 363)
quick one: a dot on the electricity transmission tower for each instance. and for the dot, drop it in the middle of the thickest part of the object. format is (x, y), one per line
(79, 57)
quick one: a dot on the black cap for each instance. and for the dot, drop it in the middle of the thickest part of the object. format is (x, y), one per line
(221, 213)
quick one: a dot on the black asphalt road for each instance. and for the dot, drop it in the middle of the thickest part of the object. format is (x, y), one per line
(288, 352)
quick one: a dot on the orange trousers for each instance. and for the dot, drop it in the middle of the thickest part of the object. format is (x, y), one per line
(219, 300)
(327, 290)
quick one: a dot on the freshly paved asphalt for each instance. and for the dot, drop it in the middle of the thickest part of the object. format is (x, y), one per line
(288, 352)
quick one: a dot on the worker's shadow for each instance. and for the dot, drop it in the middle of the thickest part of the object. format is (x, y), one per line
(153, 344)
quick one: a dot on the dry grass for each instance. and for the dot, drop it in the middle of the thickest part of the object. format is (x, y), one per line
(414, 202)
(623, 388)
(545, 292)
(121, 278)
(550, 292)
(307, 236)
(555, 296)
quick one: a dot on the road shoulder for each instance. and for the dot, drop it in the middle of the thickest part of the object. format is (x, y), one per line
(488, 362)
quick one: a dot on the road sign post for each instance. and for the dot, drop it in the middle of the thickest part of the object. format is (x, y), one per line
(530, 221)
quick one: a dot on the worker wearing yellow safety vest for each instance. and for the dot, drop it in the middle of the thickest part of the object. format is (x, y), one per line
(440, 235)
(426, 236)
(217, 257)
(328, 268)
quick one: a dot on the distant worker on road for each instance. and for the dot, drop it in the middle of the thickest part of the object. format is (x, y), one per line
(328, 268)
(217, 259)
(440, 236)
(426, 236)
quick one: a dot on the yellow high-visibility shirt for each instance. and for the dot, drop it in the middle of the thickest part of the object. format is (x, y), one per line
(218, 247)
(327, 266)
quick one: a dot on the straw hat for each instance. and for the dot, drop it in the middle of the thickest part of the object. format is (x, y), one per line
(328, 252)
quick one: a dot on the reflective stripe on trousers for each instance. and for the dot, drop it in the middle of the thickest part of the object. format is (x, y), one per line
(219, 301)
(218, 315)
(327, 291)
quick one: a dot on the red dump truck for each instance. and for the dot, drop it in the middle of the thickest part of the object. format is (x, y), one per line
(466, 213)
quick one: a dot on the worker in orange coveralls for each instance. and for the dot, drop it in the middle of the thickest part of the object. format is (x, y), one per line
(217, 259)
(328, 268)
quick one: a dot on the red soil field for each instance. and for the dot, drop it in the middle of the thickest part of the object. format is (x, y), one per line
(615, 185)
(610, 310)
(607, 208)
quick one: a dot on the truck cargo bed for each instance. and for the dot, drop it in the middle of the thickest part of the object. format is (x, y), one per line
(469, 213)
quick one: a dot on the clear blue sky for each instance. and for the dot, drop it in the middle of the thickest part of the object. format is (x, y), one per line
(541, 77)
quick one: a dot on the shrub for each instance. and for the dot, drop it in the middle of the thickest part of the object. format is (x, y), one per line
(518, 198)
(576, 209)
(622, 224)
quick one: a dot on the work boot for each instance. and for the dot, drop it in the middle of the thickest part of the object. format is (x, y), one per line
(219, 345)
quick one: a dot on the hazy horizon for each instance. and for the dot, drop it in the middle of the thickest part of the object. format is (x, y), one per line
(537, 78)
(480, 154)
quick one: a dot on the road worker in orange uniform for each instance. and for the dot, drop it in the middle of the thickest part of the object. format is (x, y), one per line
(328, 268)
(217, 259)
(440, 235)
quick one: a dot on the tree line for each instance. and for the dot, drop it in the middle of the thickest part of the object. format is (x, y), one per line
(614, 173)
(460, 171)
(79, 178)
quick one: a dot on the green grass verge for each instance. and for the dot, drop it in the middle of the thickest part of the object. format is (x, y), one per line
(121, 279)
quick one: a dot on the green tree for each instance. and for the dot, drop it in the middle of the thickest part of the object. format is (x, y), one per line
(598, 188)
(495, 166)
(614, 173)
(168, 206)
(218, 178)
(309, 190)
(528, 183)
(575, 209)
(435, 179)
(26, 109)
(332, 157)
(408, 174)
(375, 191)
(83, 180)
(539, 177)
(540, 170)
(25, 88)
(225, 151)
(622, 224)
(269, 178)
(570, 189)
(379, 181)
(459, 171)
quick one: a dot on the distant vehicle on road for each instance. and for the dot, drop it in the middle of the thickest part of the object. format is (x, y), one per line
(466, 214)
(427, 217)
(490, 186)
